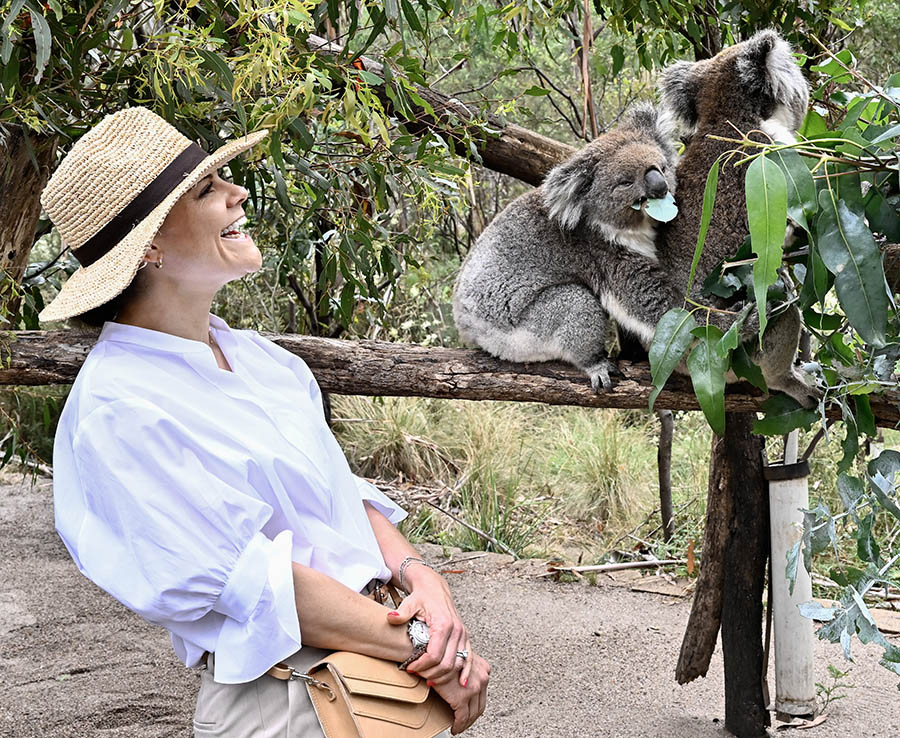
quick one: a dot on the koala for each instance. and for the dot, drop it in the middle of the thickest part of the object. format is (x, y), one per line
(751, 86)
(543, 279)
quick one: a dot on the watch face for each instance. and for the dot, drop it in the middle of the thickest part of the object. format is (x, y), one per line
(418, 632)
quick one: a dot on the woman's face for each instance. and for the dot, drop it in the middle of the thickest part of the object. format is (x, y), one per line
(201, 239)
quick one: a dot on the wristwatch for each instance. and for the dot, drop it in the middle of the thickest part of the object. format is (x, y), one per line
(419, 635)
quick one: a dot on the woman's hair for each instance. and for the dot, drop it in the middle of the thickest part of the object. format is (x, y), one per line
(96, 317)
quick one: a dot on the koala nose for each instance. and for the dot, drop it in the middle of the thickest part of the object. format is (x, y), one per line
(656, 184)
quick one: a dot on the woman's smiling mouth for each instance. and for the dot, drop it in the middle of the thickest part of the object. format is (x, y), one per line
(233, 230)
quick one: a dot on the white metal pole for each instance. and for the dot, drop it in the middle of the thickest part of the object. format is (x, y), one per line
(795, 689)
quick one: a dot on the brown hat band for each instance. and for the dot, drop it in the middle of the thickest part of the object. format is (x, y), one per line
(140, 207)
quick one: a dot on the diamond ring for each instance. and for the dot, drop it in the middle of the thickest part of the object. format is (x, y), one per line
(464, 654)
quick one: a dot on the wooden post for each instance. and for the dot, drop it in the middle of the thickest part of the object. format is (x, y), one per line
(739, 465)
(664, 467)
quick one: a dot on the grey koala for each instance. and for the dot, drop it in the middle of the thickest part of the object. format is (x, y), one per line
(544, 277)
(754, 85)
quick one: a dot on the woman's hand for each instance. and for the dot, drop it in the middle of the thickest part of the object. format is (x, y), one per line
(468, 702)
(430, 600)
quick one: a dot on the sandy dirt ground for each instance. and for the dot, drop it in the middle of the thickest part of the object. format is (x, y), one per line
(569, 660)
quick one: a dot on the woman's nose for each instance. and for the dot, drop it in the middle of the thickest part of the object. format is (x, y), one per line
(240, 194)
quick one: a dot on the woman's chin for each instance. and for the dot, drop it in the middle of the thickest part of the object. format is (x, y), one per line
(246, 251)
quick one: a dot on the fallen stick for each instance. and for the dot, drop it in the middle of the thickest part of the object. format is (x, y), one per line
(614, 567)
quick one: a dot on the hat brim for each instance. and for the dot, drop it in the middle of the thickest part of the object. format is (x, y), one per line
(93, 285)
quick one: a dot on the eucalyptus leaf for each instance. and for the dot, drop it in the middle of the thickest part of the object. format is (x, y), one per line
(882, 215)
(43, 40)
(742, 365)
(782, 415)
(817, 281)
(662, 209)
(867, 547)
(887, 463)
(732, 338)
(865, 418)
(801, 189)
(670, 340)
(892, 132)
(709, 201)
(817, 611)
(850, 444)
(821, 322)
(851, 490)
(707, 367)
(851, 255)
(884, 492)
(766, 196)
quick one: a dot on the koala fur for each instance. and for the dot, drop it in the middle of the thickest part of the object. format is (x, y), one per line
(751, 86)
(544, 277)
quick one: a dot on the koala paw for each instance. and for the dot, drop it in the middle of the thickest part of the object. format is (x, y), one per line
(599, 375)
(801, 386)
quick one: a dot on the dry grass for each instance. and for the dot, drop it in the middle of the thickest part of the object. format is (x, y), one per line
(551, 480)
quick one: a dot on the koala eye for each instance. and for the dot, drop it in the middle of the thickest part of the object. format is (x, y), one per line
(625, 183)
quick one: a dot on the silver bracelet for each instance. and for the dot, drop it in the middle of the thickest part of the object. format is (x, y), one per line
(405, 563)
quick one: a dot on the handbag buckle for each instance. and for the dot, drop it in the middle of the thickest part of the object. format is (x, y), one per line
(307, 679)
(289, 674)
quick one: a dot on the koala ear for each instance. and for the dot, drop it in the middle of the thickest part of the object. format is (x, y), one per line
(766, 67)
(678, 92)
(644, 118)
(566, 188)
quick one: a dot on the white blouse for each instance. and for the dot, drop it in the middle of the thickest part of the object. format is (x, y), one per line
(186, 491)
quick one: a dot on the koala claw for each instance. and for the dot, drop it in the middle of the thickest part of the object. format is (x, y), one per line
(599, 375)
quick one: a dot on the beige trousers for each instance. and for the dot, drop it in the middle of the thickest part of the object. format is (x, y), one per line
(264, 708)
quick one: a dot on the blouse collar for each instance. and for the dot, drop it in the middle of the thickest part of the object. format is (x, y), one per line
(159, 340)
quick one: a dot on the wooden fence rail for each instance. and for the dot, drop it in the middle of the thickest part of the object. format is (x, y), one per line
(392, 369)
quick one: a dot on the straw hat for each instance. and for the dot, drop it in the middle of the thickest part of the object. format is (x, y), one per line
(111, 193)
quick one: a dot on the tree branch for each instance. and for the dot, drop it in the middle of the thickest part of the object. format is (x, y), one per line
(512, 150)
(383, 368)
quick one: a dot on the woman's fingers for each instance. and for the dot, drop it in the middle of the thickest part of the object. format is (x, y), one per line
(404, 613)
(467, 665)
(440, 662)
(461, 718)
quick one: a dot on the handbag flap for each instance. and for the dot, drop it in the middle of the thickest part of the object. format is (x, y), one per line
(391, 711)
(367, 676)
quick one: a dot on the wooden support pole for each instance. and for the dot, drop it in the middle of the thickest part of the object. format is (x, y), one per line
(702, 629)
(746, 555)
(732, 576)
(664, 468)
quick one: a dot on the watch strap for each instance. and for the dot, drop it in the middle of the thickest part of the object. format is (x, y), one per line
(417, 652)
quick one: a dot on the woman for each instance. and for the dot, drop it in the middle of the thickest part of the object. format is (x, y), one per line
(195, 479)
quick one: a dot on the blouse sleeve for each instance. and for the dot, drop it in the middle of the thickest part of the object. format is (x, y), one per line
(384, 504)
(164, 534)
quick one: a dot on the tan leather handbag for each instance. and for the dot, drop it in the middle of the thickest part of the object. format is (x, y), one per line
(357, 696)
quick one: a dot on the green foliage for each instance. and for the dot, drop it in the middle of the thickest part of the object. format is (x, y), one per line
(839, 187)
(833, 690)
(664, 31)
(341, 160)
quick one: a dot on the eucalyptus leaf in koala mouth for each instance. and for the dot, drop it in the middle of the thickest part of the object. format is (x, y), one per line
(662, 209)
